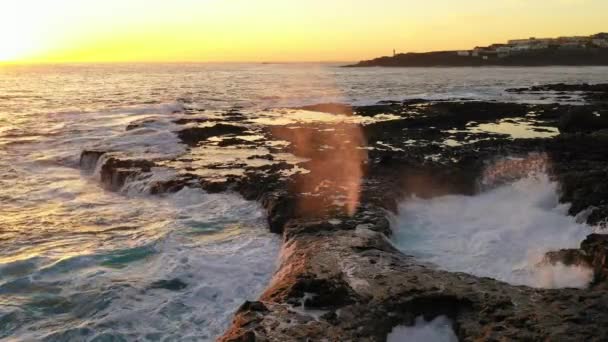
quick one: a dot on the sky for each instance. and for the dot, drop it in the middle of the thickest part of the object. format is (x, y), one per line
(276, 30)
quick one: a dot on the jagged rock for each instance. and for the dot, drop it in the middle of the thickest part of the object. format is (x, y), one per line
(582, 120)
(541, 57)
(593, 254)
(280, 208)
(194, 135)
(115, 172)
(172, 185)
(592, 92)
(340, 278)
(364, 293)
(89, 159)
(596, 247)
(598, 216)
(563, 87)
(139, 124)
(171, 285)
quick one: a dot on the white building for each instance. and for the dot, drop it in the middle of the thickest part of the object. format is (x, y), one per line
(532, 41)
(603, 43)
(539, 46)
(464, 53)
(571, 45)
(521, 41)
(521, 47)
(574, 39)
(504, 51)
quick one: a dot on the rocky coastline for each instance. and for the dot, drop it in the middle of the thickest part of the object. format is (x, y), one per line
(331, 187)
(548, 57)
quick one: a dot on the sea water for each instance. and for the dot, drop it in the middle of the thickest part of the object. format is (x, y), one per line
(78, 262)
(502, 233)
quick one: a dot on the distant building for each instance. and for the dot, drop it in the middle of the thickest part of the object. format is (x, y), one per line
(603, 43)
(600, 36)
(539, 46)
(574, 39)
(521, 41)
(483, 50)
(504, 51)
(532, 42)
(571, 45)
(523, 46)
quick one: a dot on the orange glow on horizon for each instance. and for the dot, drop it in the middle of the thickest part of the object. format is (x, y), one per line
(274, 30)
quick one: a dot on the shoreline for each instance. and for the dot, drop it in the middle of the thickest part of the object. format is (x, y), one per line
(543, 58)
(340, 277)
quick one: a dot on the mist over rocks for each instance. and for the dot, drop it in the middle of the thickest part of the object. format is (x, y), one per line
(340, 277)
(593, 253)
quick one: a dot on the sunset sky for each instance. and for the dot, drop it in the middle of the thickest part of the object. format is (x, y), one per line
(275, 30)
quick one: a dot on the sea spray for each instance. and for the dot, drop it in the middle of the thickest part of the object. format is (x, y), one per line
(502, 233)
(192, 259)
(437, 330)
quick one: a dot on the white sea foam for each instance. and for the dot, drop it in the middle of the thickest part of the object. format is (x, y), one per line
(81, 262)
(217, 245)
(502, 233)
(151, 137)
(78, 261)
(437, 330)
(148, 143)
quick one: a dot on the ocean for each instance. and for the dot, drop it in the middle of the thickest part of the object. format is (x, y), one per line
(78, 262)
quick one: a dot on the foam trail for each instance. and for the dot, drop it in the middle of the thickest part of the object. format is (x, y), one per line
(437, 330)
(503, 233)
(205, 255)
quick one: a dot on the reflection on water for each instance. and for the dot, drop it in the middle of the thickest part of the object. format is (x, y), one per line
(513, 128)
(278, 117)
(516, 129)
(76, 256)
(79, 262)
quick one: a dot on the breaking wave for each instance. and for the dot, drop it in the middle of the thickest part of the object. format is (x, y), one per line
(437, 330)
(502, 233)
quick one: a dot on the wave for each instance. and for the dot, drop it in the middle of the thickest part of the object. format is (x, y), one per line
(502, 233)
(185, 283)
(437, 330)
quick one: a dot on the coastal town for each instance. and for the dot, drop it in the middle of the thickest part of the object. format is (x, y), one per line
(523, 46)
(589, 50)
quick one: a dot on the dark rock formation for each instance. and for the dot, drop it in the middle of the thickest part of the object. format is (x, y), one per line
(352, 284)
(194, 135)
(593, 254)
(340, 278)
(115, 171)
(592, 92)
(171, 285)
(582, 120)
(89, 159)
(545, 57)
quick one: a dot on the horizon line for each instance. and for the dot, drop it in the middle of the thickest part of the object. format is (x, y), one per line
(26, 62)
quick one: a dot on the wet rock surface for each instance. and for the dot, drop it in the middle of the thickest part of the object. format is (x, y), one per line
(593, 253)
(594, 92)
(329, 186)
